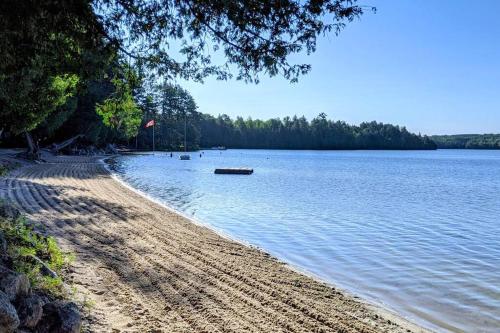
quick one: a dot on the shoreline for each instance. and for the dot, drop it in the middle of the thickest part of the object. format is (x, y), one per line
(290, 299)
(171, 208)
(378, 307)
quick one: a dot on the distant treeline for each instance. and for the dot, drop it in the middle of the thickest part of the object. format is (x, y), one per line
(299, 133)
(467, 141)
(175, 112)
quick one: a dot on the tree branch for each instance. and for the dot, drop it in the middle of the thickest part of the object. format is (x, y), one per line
(216, 33)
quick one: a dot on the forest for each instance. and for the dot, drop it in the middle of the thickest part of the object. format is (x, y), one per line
(102, 69)
(299, 133)
(84, 67)
(176, 114)
(175, 111)
(467, 141)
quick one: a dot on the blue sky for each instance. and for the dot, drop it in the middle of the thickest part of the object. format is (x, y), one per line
(431, 65)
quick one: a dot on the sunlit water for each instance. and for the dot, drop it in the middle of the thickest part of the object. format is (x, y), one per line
(416, 231)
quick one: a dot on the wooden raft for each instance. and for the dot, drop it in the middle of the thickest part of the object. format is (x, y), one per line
(233, 171)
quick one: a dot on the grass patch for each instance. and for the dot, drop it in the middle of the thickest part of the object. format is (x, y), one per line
(3, 170)
(23, 243)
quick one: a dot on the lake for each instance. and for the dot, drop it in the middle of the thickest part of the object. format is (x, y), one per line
(415, 231)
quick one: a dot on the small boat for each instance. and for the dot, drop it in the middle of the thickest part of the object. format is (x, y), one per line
(185, 157)
(233, 171)
(218, 148)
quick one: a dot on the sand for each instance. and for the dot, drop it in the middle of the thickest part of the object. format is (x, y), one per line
(145, 268)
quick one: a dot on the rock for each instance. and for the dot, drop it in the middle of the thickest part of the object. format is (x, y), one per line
(8, 210)
(29, 311)
(13, 284)
(9, 320)
(60, 317)
(6, 261)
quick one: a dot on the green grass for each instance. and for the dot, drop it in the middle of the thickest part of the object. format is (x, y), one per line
(3, 170)
(23, 242)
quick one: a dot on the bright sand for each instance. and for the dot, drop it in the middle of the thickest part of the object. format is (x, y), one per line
(145, 268)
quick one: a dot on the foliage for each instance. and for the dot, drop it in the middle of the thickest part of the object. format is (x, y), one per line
(3, 170)
(299, 133)
(23, 243)
(181, 38)
(56, 119)
(23, 112)
(287, 133)
(120, 111)
(468, 141)
(44, 49)
(113, 94)
(51, 50)
(84, 119)
(174, 110)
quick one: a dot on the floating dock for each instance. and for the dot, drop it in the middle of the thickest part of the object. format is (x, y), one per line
(233, 171)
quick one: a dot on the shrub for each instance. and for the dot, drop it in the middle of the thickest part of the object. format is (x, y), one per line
(3, 170)
(23, 244)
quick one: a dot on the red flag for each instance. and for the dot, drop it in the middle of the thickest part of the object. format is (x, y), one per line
(150, 123)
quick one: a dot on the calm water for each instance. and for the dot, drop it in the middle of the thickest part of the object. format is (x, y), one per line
(416, 231)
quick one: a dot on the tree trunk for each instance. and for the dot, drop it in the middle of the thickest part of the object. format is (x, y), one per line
(33, 152)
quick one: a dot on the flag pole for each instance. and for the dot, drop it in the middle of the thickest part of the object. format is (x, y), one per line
(154, 125)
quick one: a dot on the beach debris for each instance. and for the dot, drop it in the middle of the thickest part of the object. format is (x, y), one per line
(234, 171)
(57, 147)
(111, 149)
(77, 145)
(44, 268)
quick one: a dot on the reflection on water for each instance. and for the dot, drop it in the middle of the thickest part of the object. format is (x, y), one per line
(417, 231)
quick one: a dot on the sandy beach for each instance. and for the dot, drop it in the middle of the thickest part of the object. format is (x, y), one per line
(145, 268)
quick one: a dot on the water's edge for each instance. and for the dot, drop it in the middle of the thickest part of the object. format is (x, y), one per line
(377, 306)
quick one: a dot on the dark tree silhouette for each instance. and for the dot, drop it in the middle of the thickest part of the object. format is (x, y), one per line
(50, 50)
